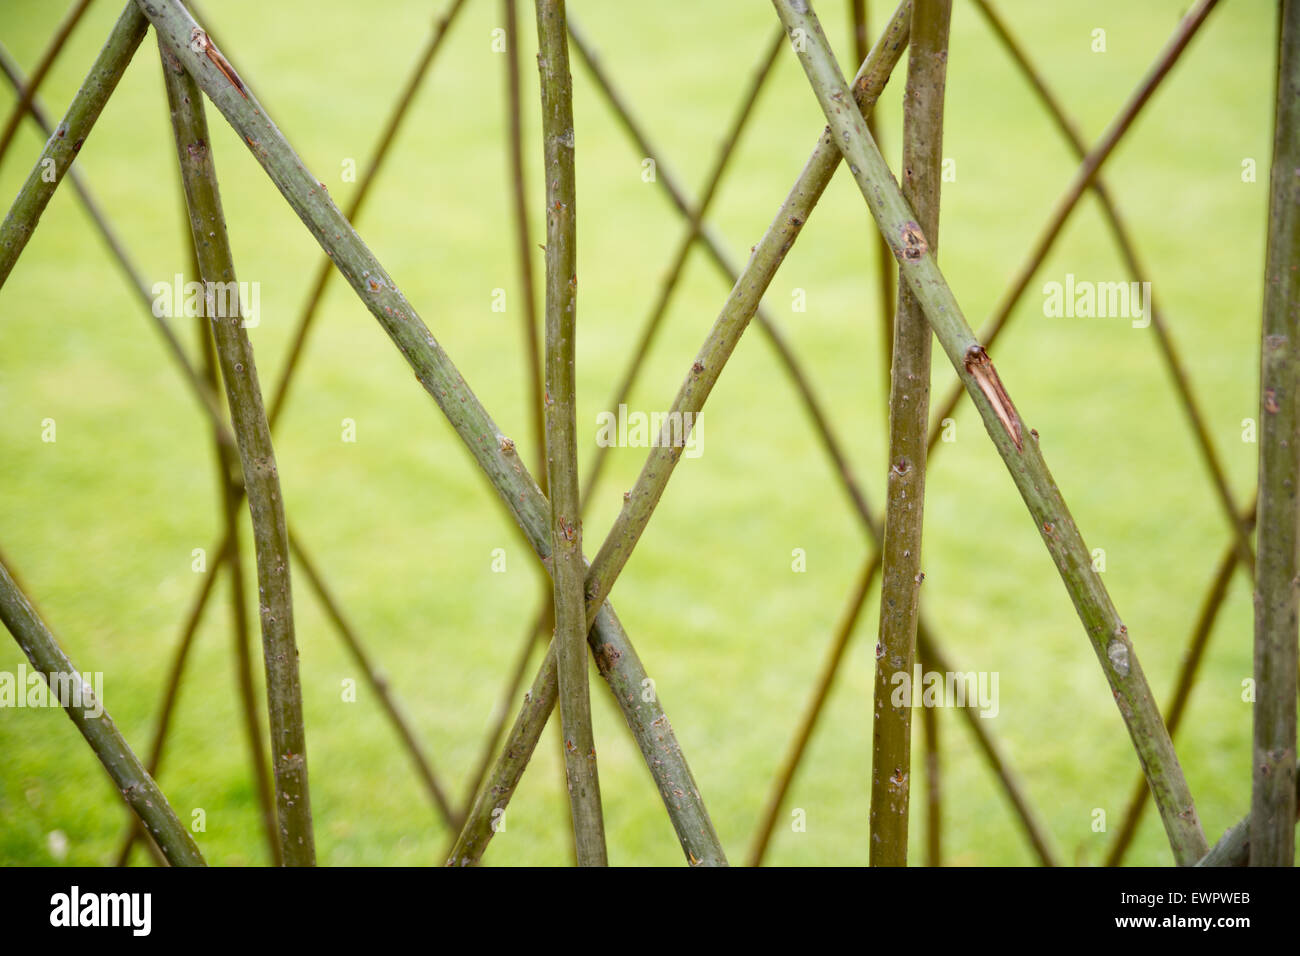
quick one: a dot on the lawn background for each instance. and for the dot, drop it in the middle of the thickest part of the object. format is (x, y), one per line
(101, 524)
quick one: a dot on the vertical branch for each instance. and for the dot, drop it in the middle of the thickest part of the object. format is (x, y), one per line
(132, 780)
(257, 457)
(561, 434)
(69, 136)
(909, 408)
(1277, 600)
(1017, 445)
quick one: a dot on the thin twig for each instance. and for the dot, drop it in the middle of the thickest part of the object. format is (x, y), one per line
(230, 488)
(523, 242)
(884, 257)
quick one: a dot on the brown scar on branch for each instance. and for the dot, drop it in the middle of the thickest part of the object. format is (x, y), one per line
(980, 366)
(914, 244)
(200, 42)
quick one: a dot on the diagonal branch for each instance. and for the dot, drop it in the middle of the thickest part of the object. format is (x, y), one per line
(87, 712)
(62, 148)
(1017, 446)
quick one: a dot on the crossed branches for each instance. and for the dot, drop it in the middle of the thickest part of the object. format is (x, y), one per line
(552, 527)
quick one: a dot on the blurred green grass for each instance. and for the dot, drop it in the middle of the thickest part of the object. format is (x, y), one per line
(101, 524)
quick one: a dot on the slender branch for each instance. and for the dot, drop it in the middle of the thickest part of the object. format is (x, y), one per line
(909, 406)
(63, 146)
(1018, 447)
(61, 34)
(562, 434)
(231, 489)
(78, 698)
(257, 457)
(1164, 340)
(378, 683)
(1277, 599)
(493, 452)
